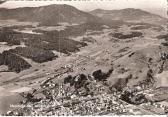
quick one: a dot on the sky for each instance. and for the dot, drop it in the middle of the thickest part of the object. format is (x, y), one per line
(154, 6)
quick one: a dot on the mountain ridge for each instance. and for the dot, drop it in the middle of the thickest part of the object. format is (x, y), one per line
(51, 14)
(129, 14)
(55, 13)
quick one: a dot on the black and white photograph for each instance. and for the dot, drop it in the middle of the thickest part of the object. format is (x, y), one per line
(83, 57)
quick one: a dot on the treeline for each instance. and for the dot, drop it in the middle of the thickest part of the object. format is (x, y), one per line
(126, 36)
(14, 62)
(163, 37)
(140, 27)
(9, 36)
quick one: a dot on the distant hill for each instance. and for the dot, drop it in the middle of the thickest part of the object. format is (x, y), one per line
(54, 14)
(51, 14)
(130, 15)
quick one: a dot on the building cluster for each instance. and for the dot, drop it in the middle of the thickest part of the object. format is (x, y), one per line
(81, 95)
(62, 100)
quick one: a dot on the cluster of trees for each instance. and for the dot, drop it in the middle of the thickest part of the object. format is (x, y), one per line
(14, 62)
(51, 41)
(101, 76)
(97, 75)
(140, 27)
(82, 80)
(126, 36)
(77, 81)
(36, 54)
(20, 27)
(163, 37)
(133, 98)
(9, 36)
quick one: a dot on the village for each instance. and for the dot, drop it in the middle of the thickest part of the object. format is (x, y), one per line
(90, 95)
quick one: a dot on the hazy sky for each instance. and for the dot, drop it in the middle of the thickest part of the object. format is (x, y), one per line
(155, 6)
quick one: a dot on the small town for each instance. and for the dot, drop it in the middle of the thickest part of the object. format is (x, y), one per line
(81, 95)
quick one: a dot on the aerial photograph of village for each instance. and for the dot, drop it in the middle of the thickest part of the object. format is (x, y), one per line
(83, 58)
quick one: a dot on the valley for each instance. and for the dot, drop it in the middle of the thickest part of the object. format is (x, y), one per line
(64, 63)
